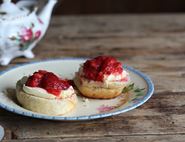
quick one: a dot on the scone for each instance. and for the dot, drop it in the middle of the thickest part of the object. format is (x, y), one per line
(101, 78)
(46, 93)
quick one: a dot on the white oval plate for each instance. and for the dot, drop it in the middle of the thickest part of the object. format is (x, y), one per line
(138, 92)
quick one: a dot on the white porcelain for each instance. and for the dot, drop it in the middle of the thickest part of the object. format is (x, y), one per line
(21, 28)
(1, 132)
(86, 109)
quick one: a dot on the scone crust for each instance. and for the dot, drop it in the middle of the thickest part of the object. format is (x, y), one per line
(52, 107)
(97, 92)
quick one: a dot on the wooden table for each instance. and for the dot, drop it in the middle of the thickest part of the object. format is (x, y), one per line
(154, 44)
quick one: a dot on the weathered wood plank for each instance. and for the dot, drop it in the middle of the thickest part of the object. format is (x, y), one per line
(134, 138)
(163, 114)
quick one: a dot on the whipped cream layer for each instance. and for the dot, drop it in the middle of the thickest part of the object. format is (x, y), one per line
(42, 93)
(123, 77)
(39, 92)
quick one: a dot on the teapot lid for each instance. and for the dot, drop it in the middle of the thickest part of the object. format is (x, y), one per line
(9, 10)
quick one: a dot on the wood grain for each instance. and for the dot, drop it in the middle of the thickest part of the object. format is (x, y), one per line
(148, 138)
(154, 44)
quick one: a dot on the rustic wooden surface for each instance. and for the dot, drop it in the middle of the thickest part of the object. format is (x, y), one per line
(154, 44)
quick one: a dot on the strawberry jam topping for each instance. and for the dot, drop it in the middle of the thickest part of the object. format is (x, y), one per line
(48, 81)
(96, 68)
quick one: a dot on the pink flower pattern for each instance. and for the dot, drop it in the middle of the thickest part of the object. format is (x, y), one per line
(37, 34)
(26, 35)
(105, 108)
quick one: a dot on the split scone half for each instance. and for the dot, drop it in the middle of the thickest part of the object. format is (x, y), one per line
(101, 78)
(45, 93)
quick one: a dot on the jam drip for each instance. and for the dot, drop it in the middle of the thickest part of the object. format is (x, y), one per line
(48, 81)
(96, 68)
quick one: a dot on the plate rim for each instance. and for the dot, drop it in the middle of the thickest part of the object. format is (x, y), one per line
(144, 76)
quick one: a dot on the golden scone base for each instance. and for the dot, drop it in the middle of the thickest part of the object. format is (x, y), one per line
(97, 92)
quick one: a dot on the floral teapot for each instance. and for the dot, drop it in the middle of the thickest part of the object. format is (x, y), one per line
(22, 28)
